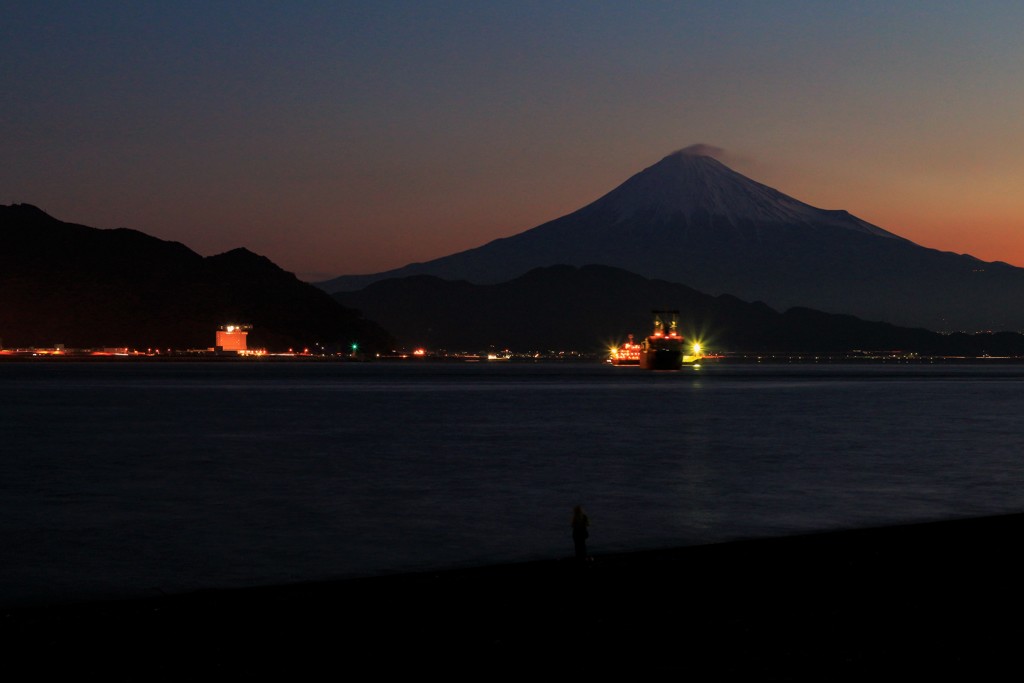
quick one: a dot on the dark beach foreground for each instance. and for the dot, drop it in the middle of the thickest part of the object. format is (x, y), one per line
(941, 597)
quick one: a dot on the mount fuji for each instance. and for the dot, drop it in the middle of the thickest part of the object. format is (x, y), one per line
(690, 219)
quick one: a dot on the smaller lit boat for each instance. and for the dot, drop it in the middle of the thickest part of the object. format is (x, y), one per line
(627, 354)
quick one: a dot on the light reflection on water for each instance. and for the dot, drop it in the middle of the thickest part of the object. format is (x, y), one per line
(145, 477)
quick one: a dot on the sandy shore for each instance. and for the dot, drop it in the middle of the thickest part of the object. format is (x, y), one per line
(914, 600)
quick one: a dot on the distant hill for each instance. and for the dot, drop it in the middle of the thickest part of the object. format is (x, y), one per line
(62, 283)
(590, 308)
(689, 218)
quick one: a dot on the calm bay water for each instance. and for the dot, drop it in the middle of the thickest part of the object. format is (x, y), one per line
(124, 479)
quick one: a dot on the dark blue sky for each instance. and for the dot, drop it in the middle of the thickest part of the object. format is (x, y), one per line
(339, 137)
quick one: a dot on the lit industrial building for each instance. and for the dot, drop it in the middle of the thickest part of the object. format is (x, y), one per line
(232, 337)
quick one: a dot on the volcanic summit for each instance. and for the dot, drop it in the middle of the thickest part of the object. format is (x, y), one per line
(691, 219)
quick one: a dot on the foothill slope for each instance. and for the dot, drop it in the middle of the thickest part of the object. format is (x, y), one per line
(70, 284)
(691, 219)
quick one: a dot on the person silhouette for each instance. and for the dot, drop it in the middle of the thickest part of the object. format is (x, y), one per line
(580, 522)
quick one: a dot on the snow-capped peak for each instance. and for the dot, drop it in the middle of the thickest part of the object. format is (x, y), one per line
(691, 182)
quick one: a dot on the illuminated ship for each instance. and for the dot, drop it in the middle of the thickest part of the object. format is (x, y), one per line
(627, 354)
(665, 348)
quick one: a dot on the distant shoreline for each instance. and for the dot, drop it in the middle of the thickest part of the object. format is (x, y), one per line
(776, 358)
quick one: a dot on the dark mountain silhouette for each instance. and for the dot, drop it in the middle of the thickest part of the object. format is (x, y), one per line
(689, 218)
(590, 308)
(83, 287)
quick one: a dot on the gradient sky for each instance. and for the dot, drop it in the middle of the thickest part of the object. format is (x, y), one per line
(339, 138)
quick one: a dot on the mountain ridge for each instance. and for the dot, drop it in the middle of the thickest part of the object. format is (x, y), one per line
(592, 307)
(84, 287)
(689, 218)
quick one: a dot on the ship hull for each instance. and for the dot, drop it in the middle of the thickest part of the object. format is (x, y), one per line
(665, 348)
(663, 358)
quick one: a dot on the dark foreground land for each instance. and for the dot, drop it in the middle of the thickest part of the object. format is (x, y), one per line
(913, 600)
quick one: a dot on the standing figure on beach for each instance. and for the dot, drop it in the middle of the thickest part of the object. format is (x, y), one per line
(580, 522)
